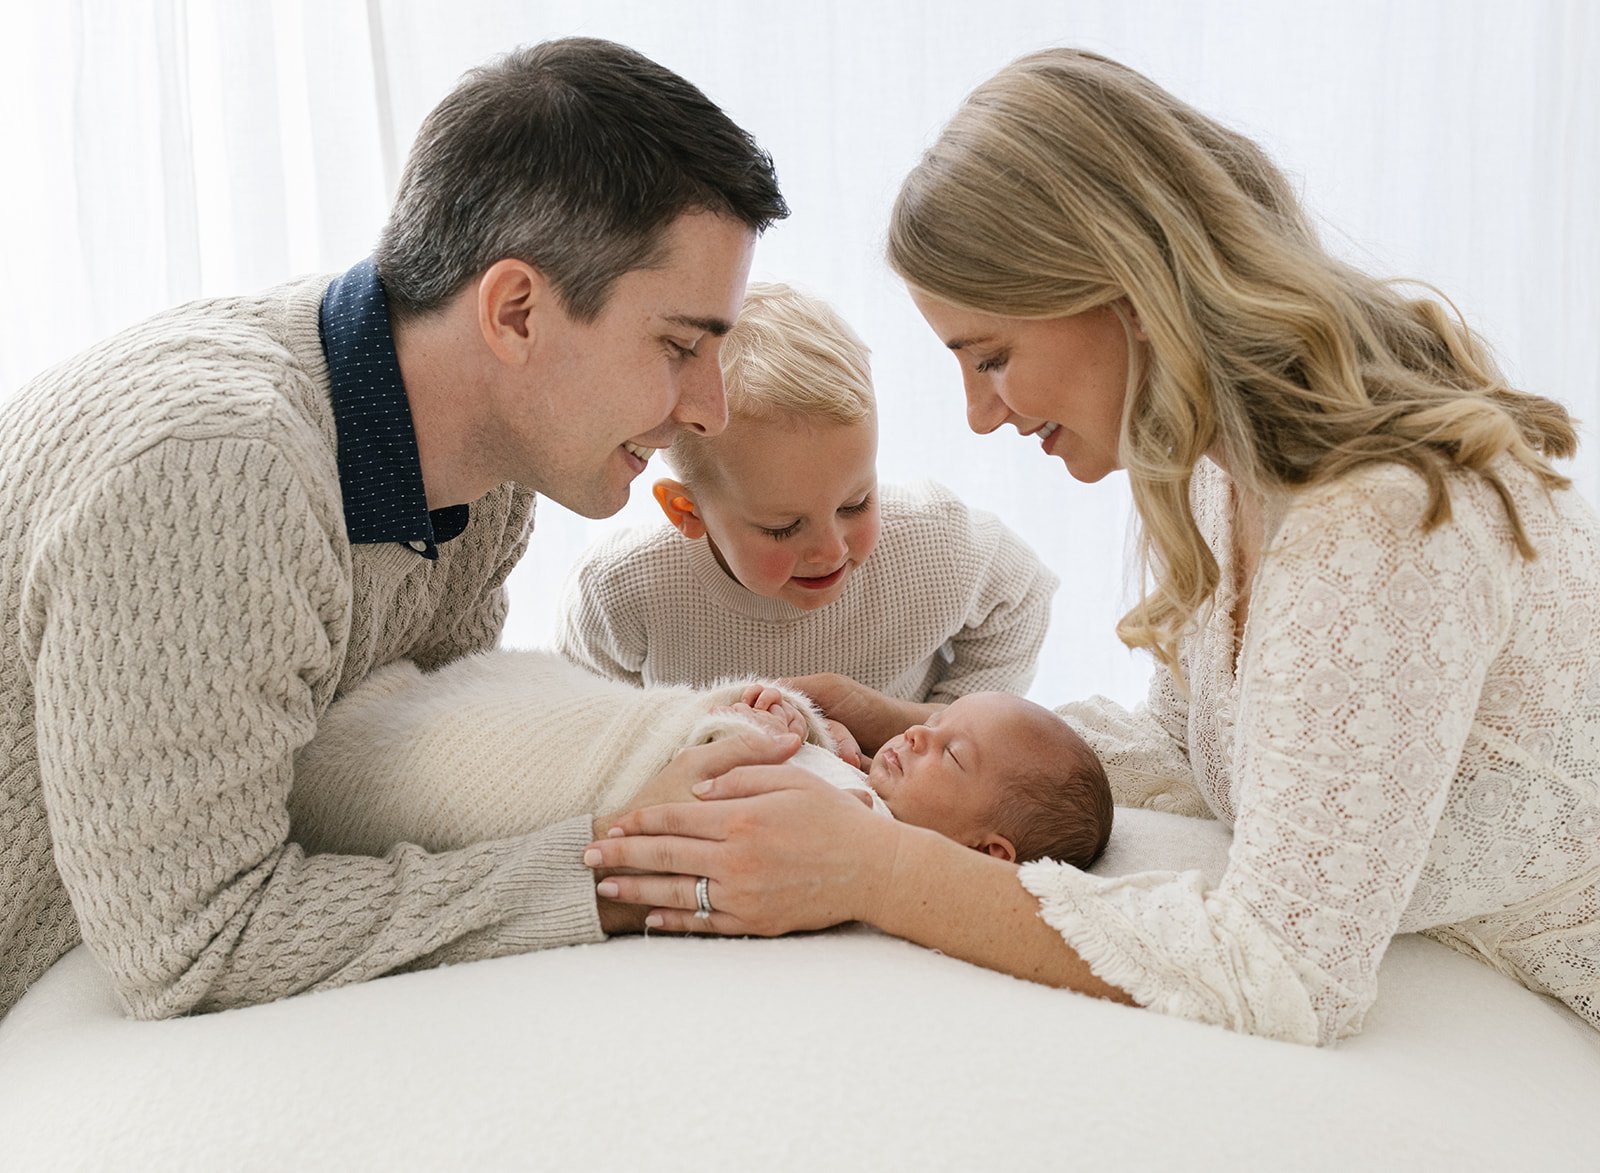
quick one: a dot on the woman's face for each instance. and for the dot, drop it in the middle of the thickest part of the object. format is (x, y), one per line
(1061, 379)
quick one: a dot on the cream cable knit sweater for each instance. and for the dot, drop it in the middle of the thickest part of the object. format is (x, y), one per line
(1410, 742)
(502, 744)
(951, 602)
(181, 606)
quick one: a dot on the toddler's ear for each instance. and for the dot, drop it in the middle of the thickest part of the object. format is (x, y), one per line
(673, 497)
(998, 846)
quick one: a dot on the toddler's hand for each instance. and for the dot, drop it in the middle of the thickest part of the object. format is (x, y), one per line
(847, 748)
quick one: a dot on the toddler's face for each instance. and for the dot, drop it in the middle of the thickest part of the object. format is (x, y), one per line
(948, 774)
(794, 508)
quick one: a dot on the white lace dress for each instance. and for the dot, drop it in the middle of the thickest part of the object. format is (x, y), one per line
(1408, 741)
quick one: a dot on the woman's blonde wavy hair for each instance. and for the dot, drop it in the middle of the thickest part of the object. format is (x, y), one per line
(1069, 182)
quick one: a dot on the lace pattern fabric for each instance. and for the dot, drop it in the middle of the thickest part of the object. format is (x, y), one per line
(1407, 741)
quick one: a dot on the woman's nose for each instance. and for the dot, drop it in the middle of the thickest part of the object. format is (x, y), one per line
(985, 410)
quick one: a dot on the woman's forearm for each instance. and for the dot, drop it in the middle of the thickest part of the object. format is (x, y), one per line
(948, 897)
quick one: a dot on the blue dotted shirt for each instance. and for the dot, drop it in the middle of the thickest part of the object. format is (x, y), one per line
(380, 474)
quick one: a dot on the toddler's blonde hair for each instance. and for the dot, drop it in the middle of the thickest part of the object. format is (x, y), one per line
(789, 356)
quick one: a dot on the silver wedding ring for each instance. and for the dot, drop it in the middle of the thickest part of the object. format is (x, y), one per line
(702, 897)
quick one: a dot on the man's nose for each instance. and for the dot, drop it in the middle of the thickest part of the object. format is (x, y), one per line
(702, 398)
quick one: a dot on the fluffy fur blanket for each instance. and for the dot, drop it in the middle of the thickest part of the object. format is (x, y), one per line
(501, 744)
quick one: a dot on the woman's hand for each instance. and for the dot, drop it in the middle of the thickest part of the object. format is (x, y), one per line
(782, 849)
(873, 717)
(675, 784)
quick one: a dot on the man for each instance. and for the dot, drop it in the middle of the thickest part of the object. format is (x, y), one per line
(222, 518)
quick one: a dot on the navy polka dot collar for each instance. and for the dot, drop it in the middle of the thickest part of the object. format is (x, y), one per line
(380, 474)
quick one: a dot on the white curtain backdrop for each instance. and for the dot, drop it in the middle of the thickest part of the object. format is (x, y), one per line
(162, 150)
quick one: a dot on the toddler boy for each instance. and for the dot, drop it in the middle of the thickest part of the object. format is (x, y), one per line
(785, 558)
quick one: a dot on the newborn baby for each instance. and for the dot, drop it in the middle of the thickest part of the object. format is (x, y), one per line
(507, 742)
(991, 770)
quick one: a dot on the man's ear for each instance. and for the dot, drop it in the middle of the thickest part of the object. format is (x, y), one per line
(673, 497)
(997, 846)
(511, 296)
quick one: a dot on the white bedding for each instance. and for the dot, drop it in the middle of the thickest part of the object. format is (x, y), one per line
(836, 1050)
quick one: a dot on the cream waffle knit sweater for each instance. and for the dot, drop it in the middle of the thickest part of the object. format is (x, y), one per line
(951, 602)
(180, 607)
(502, 744)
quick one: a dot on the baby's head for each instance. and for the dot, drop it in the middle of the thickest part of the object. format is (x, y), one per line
(787, 495)
(1002, 775)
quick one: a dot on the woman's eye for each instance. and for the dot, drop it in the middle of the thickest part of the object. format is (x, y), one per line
(987, 365)
(787, 531)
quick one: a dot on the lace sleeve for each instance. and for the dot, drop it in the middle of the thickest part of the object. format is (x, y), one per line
(1145, 751)
(1366, 648)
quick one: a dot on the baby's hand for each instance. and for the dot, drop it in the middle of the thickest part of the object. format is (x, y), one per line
(847, 748)
(777, 718)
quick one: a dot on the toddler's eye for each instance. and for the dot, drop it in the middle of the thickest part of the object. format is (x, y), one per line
(787, 531)
(859, 507)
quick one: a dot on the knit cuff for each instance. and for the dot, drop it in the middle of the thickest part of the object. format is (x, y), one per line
(549, 892)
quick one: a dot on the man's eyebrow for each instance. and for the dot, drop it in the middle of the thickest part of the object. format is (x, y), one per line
(715, 326)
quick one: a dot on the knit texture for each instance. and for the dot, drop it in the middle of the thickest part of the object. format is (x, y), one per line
(1409, 742)
(181, 605)
(500, 744)
(950, 602)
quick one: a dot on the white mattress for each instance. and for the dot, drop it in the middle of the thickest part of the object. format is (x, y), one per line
(844, 1049)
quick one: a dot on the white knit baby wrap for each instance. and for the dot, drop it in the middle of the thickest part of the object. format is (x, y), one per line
(498, 744)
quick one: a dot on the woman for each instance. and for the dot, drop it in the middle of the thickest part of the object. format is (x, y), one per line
(1370, 597)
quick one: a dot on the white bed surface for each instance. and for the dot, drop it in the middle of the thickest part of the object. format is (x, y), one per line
(844, 1049)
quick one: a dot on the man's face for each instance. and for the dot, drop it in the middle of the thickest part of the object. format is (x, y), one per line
(600, 397)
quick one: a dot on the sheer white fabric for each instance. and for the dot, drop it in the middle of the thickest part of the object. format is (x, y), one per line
(168, 149)
(1408, 740)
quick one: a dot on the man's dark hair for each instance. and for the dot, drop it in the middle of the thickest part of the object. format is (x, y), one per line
(574, 156)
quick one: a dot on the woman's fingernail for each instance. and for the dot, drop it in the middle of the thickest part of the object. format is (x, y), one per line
(653, 921)
(615, 833)
(606, 888)
(592, 857)
(701, 787)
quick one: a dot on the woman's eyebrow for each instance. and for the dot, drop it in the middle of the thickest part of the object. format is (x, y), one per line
(959, 343)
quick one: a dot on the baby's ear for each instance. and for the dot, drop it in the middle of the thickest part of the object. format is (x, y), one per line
(998, 846)
(673, 497)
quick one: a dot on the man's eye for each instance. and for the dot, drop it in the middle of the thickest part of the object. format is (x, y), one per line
(679, 350)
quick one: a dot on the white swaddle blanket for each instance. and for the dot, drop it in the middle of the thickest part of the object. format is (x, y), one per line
(503, 743)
